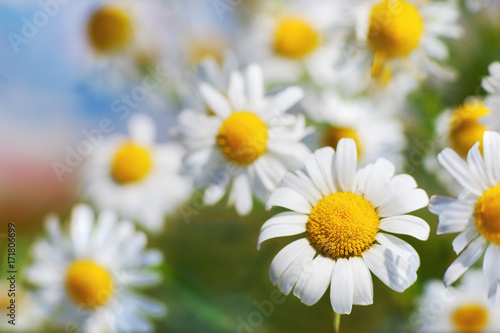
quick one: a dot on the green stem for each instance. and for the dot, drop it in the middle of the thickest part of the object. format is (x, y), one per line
(336, 323)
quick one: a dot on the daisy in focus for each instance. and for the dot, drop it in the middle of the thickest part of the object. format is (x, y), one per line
(87, 277)
(376, 134)
(248, 143)
(475, 214)
(395, 36)
(492, 85)
(136, 176)
(461, 309)
(346, 216)
(296, 40)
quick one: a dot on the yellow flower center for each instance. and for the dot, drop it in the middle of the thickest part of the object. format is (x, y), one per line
(242, 137)
(342, 225)
(335, 133)
(110, 30)
(131, 163)
(465, 130)
(88, 284)
(295, 38)
(487, 214)
(395, 28)
(470, 318)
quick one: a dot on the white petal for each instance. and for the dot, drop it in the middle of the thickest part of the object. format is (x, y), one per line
(380, 172)
(399, 248)
(464, 238)
(280, 230)
(243, 194)
(285, 257)
(255, 86)
(82, 220)
(285, 99)
(491, 153)
(303, 185)
(215, 100)
(459, 169)
(406, 225)
(477, 166)
(438, 204)
(362, 282)
(216, 190)
(236, 91)
(491, 270)
(292, 273)
(319, 169)
(142, 129)
(392, 270)
(342, 289)
(392, 188)
(468, 257)
(288, 198)
(404, 203)
(345, 163)
(314, 280)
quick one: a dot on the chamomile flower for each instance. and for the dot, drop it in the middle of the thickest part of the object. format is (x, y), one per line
(476, 211)
(136, 176)
(393, 36)
(248, 143)
(376, 134)
(118, 37)
(461, 309)
(492, 85)
(296, 40)
(87, 277)
(345, 215)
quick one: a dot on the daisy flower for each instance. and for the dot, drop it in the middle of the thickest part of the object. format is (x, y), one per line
(118, 35)
(492, 85)
(476, 211)
(295, 40)
(249, 142)
(461, 309)
(346, 216)
(393, 36)
(136, 176)
(87, 277)
(376, 135)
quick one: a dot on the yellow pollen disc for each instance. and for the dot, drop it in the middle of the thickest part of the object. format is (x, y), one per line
(242, 137)
(465, 130)
(110, 30)
(342, 225)
(487, 214)
(395, 28)
(335, 133)
(131, 163)
(88, 284)
(470, 318)
(295, 38)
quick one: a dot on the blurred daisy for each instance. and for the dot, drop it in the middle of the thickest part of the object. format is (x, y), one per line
(376, 134)
(492, 85)
(393, 36)
(249, 142)
(461, 309)
(296, 40)
(345, 215)
(136, 176)
(87, 277)
(476, 211)
(124, 36)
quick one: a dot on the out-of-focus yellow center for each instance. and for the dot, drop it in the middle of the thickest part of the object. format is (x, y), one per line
(395, 28)
(295, 37)
(89, 284)
(131, 163)
(242, 137)
(342, 225)
(110, 30)
(335, 133)
(487, 214)
(470, 318)
(465, 130)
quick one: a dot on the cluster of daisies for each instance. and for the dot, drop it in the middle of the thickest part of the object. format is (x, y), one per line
(314, 123)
